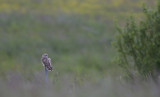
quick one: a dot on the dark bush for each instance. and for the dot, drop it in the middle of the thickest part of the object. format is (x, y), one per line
(138, 45)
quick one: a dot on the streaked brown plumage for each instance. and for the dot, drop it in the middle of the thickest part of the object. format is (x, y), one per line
(46, 61)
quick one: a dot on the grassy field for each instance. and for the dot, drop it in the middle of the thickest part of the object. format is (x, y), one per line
(77, 35)
(16, 86)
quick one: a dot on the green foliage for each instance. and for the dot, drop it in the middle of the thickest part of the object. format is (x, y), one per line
(74, 43)
(138, 45)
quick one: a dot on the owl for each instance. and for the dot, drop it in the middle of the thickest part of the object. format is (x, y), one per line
(46, 62)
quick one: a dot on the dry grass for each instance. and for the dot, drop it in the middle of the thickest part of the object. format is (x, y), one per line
(14, 85)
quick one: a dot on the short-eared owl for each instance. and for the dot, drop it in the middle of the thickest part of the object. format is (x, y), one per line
(46, 61)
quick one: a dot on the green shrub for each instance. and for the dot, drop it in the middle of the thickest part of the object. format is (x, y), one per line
(138, 45)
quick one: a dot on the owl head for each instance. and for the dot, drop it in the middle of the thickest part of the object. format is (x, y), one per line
(45, 55)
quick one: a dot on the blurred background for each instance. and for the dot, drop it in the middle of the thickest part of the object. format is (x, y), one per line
(76, 34)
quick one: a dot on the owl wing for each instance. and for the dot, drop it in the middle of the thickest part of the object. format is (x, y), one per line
(49, 67)
(49, 59)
